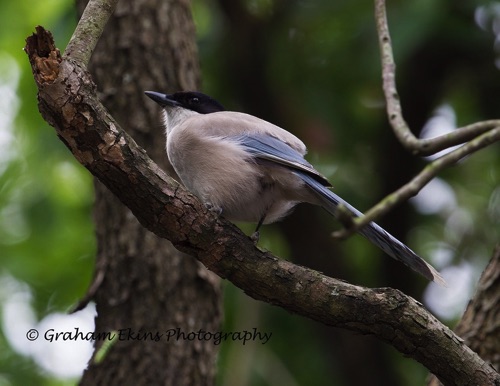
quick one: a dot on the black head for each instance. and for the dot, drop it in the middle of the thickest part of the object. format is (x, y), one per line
(191, 100)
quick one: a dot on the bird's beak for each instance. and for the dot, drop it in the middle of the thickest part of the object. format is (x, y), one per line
(162, 99)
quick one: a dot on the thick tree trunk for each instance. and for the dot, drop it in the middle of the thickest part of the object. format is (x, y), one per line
(143, 283)
(479, 326)
(480, 323)
(68, 101)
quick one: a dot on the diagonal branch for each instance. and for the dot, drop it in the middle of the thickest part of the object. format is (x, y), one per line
(477, 135)
(479, 324)
(401, 129)
(89, 30)
(68, 101)
(420, 180)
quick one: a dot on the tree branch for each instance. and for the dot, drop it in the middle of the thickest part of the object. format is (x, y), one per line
(89, 30)
(68, 101)
(419, 181)
(479, 325)
(478, 135)
(401, 129)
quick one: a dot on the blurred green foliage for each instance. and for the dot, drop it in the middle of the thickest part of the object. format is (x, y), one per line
(46, 231)
(319, 74)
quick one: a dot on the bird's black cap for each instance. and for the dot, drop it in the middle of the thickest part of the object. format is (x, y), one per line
(191, 100)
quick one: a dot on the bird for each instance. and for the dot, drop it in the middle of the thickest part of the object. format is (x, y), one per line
(250, 170)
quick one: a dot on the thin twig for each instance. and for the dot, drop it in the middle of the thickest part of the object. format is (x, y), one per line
(461, 135)
(415, 185)
(475, 136)
(89, 30)
(166, 209)
(394, 111)
(400, 127)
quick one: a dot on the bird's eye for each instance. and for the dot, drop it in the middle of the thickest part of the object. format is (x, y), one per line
(195, 100)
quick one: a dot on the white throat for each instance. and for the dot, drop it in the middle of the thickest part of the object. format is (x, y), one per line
(174, 116)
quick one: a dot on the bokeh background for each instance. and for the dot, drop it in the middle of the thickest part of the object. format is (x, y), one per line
(313, 68)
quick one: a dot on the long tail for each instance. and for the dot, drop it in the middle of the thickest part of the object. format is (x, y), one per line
(378, 236)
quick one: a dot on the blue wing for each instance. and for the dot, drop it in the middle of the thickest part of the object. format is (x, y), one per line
(274, 150)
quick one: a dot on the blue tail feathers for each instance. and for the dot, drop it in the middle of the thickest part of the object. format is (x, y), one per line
(373, 232)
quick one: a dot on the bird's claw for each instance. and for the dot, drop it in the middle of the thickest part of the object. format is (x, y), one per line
(212, 208)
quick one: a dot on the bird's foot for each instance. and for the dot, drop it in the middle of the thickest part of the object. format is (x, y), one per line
(213, 208)
(255, 237)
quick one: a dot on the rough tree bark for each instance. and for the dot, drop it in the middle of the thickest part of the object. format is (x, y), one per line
(141, 281)
(252, 59)
(480, 323)
(68, 101)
